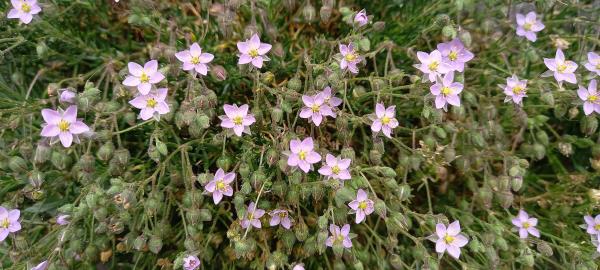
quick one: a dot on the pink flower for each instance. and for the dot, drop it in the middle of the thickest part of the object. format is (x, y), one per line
(526, 225)
(143, 77)
(280, 216)
(9, 222)
(299, 266)
(41, 266)
(336, 167)
(302, 154)
(67, 97)
(385, 119)
(432, 64)
(195, 59)
(63, 125)
(361, 18)
(593, 63)
(252, 217)
(220, 185)
(191, 262)
(563, 69)
(24, 10)
(515, 89)
(63, 219)
(151, 104)
(330, 100)
(339, 236)
(446, 92)
(590, 97)
(455, 54)
(593, 224)
(528, 25)
(237, 118)
(448, 239)
(362, 206)
(349, 58)
(315, 108)
(253, 51)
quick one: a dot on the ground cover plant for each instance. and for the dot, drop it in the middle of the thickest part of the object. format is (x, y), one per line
(257, 134)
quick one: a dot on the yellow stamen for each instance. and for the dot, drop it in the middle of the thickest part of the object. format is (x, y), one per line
(237, 120)
(340, 238)
(517, 90)
(282, 214)
(63, 125)
(253, 53)
(453, 55)
(527, 26)
(350, 57)
(195, 60)
(433, 66)
(25, 7)
(362, 205)
(593, 98)
(151, 103)
(220, 185)
(302, 155)
(526, 225)
(561, 68)
(448, 239)
(315, 108)
(335, 169)
(385, 120)
(598, 65)
(5, 223)
(144, 78)
(597, 227)
(446, 90)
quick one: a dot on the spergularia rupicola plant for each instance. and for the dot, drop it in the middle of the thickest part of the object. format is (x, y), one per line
(448, 239)
(143, 77)
(253, 51)
(194, 59)
(362, 206)
(24, 10)
(63, 126)
(526, 225)
(153, 104)
(590, 98)
(562, 69)
(237, 119)
(350, 58)
(446, 92)
(221, 185)
(339, 237)
(252, 217)
(280, 216)
(454, 54)
(336, 168)
(384, 119)
(302, 154)
(9, 222)
(515, 90)
(528, 25)
(593, 63)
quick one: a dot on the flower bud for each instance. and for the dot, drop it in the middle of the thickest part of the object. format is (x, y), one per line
(309, 13)
(17, 164)
(548, 98)
(301, 230)
(404, 192)
(544, 249)
(218, 72)
(539, 151)
(224, 162)
(322, 222)
(516, 183)
(42, 153)
(155, 244)
(375, 157)
(442, 20)
(60, 160)
(449, 32)
(294, 83)
(380, 207)
(106, 151)
(276, 114)
(325, 13)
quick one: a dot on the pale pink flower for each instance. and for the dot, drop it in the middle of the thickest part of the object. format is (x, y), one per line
(195, 59)
(526, 225)
(41, 266)
(237, 118)
(220, 185)
(63, 125)
(528, 25)
(253, 51)
(298, 266)
(315, 108)
(593, 224)
(590, 97)
(143, 77)
(152, 104)
(446, 92)
(303, 154)
(362, 205)
(515, 89)
(361, 18)
(455, 54)
(593, 63)
(384, 120)
(280, 216)
(191, 262)
(330, 100)
(63, 219)
(9, 222)
(336, 167)
(563, 69)
(432, 64)
(67, 97)
(252, 217)
(23, 10)
(350, 58)
(448, 239)
(339, 236)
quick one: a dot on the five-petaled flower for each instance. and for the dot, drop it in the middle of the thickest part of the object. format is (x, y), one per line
(151, 104)
(593, 63)
(330, 100)
(432, 64)
(195, 59)
(446, 92)
(280, 216)
(63, 219)
(252, 217)
(525, 225)
(350, 58)
(336, 167)
(237, 118)
(41, 266)
(384, 120)
(63, 125)
(191, 262)
(303, 154)
(528, 25)
(362, 205)
(563, 69)
(361, 18)
(593, 224)
(339, 236)
(253, 51)
(24, 10)
(220, 185)
(590, 97)
(143, 77)
(9, 222)
(315, 108)
(455, 54)
(515, 89)
(448, 239)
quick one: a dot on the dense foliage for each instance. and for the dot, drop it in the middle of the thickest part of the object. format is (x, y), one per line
(159, 169)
